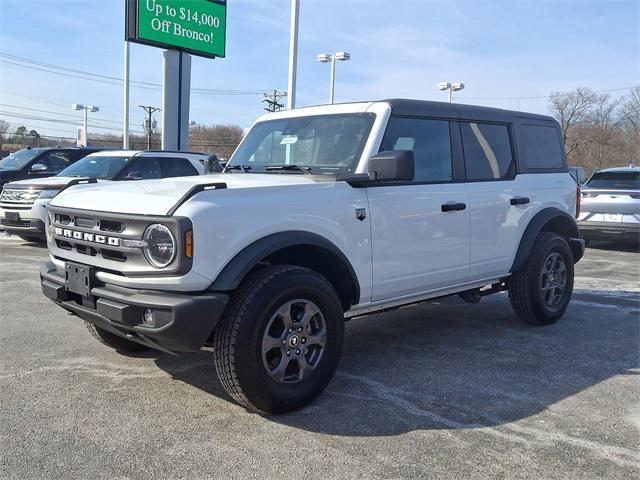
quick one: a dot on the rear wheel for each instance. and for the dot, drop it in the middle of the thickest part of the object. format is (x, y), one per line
(114, 341)
(541, 290)
(279, 341)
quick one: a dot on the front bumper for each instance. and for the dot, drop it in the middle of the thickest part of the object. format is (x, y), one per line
(30, 222)
(185, 321)
(628, 232)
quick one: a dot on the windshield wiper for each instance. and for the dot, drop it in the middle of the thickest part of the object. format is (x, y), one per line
(242, 168)
(299, 168)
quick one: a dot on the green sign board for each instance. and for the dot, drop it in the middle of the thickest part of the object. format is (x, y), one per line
(194, 26)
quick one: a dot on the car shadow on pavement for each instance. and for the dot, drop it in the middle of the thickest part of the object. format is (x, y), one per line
(450, 365)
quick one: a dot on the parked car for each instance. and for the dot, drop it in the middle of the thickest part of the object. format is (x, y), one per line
(36, 163)
(22, 203)
(611, 205)
(322, 214)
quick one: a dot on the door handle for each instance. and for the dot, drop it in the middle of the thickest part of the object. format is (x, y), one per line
(450, 207)
(520, 201)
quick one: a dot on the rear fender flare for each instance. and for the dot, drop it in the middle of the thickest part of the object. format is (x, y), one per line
(550, 219)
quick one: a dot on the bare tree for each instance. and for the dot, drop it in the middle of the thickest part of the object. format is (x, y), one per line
(571, 109)
(598, 131)
(219, 139)
(4, 128)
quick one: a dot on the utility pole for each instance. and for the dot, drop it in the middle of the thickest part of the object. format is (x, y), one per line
(272, 100)
(149, 124)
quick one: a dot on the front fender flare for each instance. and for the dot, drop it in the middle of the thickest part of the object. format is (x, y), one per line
(234, 272)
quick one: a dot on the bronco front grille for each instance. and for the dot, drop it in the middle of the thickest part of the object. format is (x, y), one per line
(109, 241)
(18, 196)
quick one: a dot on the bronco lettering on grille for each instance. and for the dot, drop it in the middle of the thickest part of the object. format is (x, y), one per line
(87, 237)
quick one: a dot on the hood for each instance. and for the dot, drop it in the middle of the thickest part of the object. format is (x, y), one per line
(8, 175)
(47, 183)
(157, 197)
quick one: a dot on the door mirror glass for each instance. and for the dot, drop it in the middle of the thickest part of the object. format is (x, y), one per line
(39, 167)
(392, 166)
(212, 164)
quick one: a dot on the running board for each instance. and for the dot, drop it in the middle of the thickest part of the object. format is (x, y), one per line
(409, 300)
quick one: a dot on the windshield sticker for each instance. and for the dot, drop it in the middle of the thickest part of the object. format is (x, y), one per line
(289, 140)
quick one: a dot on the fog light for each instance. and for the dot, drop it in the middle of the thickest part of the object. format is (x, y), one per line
(148, 318)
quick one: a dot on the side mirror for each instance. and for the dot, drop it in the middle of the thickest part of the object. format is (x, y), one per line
(392, 166)
(39, 167)
(212, 164)
(133, 176)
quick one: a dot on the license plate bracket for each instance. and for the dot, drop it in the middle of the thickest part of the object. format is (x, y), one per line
(78, 278)
(12, 216)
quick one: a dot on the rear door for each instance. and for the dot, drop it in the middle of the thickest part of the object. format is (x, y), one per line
(420, 229)
(499, 201)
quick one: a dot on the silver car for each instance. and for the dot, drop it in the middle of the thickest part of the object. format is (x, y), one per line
(610, 207)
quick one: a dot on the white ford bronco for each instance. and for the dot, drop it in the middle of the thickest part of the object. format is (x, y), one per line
(322, 214)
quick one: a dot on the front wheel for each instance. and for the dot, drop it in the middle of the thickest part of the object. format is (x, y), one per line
(541, 290)
(280, 339)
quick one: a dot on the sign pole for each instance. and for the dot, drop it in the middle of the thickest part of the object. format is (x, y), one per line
(293, 55)
(176, 88)
(125, 118)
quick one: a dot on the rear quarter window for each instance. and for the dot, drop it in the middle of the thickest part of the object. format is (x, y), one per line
(542, 147)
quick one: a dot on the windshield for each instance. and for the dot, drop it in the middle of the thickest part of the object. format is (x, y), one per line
(321, 144)
(98, 166)
(615, 181)
(18, 160)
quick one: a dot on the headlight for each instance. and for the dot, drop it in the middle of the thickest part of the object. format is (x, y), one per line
(48, 194)
(160, 248)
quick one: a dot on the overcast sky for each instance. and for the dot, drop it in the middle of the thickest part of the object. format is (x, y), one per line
(399, 48)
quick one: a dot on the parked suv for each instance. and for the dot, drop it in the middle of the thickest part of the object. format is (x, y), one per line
(611, 205)
(321, 215)
(34, 163)
(23, 203)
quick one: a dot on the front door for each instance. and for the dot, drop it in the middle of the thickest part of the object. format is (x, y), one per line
(419, 229)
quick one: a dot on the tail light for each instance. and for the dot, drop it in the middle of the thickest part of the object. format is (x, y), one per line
(578, 200)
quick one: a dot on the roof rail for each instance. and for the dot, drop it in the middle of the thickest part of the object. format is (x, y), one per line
(173, 151)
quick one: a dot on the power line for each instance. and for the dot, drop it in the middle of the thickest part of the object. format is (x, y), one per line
(55, 113)
(57, 120)
(108, 79)
(272, 100)
(543, 96)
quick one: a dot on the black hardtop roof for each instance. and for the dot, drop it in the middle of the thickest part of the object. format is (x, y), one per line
(402, 106)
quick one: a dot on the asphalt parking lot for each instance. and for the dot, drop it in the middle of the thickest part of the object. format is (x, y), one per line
(440, 390)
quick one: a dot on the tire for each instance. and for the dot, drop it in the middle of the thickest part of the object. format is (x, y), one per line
(271, 307)
(529, 298)
(114, 341)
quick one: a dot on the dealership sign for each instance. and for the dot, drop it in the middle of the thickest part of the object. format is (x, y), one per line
(193, 26)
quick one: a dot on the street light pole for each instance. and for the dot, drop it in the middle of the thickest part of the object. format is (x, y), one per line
(87, 109)
(333, 79)
(125, 118)
(86, 135)
(326, 58)
(293, 55)
(451, 87)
